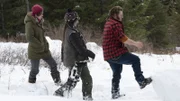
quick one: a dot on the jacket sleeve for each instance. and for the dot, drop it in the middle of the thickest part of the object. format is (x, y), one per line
(77, 42)
(30, 35)
(62, 52)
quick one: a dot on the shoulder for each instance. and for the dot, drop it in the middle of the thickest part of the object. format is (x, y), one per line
(73, 32)
(29, 18)
(74, 35)
(111, 23)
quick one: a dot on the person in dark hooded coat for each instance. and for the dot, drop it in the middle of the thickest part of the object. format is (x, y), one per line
(75, 56)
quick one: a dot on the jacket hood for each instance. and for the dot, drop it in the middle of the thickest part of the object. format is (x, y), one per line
(29, 18)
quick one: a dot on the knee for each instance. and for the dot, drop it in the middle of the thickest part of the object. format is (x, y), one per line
(51, 62)
(136, 59)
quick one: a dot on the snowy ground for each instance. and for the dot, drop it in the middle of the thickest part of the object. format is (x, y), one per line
(164, 69)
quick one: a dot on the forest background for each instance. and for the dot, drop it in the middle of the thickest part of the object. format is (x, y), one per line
(155, 22)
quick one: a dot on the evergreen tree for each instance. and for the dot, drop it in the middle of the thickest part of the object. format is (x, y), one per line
(2, 25)
(55, 10)
(143, 19)
(174, 25)
(157, 25)
(14, 16)
(135, 19)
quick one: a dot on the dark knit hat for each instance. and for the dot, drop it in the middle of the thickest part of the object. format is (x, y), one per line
(36, 9)
(71, 16)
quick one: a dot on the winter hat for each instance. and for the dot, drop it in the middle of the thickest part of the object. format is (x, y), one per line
(36, 9)
(71, 16)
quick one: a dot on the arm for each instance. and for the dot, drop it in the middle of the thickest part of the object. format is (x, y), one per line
(78, 43)
(134, 43)
(30, 34)
(119, 33)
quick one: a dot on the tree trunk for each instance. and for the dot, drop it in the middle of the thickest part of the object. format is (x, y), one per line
(2, 17)
(101, 5)
(27, 4)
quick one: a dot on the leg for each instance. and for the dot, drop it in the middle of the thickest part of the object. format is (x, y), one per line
(70, 84)
(86, 78)
(117, 70)
(134, 60)
(131, 59)
(79, 70)
(53, 67)
(73, 78)
(34, 71)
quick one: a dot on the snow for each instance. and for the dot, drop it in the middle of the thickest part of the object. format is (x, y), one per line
(177, 48)
(168, 87)
(164, 69)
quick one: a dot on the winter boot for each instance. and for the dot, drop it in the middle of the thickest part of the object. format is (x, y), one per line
(56, 78)
(67, 87)
(32, 80)
(116, 95)
(144, 83)
(88, 98)
(59, 92)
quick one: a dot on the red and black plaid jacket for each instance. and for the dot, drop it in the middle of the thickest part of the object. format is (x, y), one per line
(113, 38)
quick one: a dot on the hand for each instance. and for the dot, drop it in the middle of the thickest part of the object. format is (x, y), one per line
(91, 54)
(139, 44)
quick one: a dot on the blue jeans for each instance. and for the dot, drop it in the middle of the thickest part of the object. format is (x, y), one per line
(116, 66)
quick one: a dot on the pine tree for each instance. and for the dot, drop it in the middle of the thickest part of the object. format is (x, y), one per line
(135, 19)
(14, 16)
(3, 29)
(174, 25)
(157, 25)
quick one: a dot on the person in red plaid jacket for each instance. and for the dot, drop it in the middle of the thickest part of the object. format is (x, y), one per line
(116, 54)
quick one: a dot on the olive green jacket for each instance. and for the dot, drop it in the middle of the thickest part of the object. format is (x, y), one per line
(38, 46)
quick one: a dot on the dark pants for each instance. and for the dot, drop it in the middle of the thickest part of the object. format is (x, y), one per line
(86, 79)
(116, 66)
(84, 74)
(53, 68)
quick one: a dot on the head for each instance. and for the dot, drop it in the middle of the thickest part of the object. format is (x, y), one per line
(116, 12)
(37, 11)
(72, 18)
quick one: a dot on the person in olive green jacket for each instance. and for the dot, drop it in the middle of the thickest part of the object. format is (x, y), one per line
(38, 47)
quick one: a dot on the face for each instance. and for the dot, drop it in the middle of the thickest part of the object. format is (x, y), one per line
(40, 16)
(76, 23)
(119, 16)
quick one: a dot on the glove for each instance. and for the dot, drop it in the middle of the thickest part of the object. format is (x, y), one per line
(91, 54)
